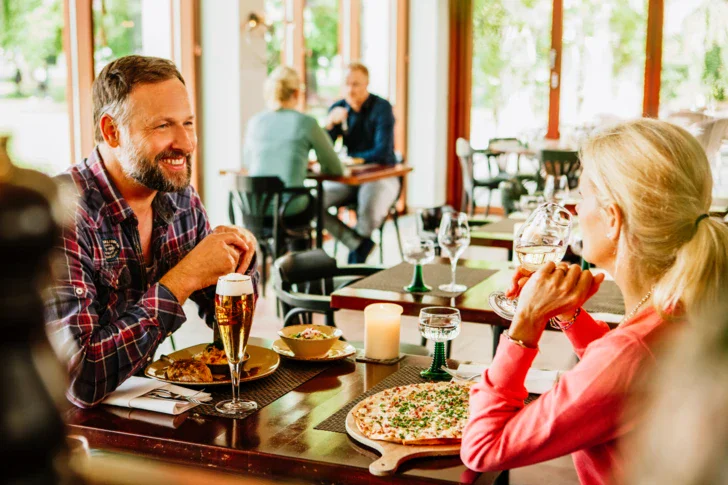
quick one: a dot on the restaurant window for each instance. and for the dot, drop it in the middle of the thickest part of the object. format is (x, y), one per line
(274, 16)
(510, 91)
(125, 27)
(695, 56)
(603, 62)
(324, 73)
(379, 46)
(33, 79)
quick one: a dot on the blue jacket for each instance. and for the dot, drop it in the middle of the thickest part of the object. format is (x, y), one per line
(371, 131)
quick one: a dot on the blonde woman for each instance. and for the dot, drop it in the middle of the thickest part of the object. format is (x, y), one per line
(646, 190)
(278, 141)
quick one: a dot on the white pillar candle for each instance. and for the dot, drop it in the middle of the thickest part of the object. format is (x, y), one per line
(381, 331)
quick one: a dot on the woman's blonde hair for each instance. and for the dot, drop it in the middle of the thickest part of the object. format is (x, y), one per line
(658, 175)
(281, 85)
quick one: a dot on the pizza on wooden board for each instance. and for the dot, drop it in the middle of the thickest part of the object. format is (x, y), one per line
(418, 414)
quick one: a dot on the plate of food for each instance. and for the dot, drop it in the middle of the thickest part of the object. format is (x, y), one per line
(309, 342)
(411, 421)
(186, 366)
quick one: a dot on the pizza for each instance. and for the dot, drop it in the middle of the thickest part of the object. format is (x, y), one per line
(418, 414)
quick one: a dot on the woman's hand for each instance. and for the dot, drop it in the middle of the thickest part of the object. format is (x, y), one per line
(552, 290)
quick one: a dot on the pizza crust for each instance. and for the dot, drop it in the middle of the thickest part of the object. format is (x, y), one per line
(378, 416)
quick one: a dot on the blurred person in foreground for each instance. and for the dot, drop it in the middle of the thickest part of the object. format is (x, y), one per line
(278, 141)
(141, 244)
(646, 190)
(683, 439)
(366, 123)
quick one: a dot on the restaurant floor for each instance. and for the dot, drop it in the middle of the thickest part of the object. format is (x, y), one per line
(474, 342)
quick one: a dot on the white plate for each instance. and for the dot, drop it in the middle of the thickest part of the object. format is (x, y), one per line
(339, 350)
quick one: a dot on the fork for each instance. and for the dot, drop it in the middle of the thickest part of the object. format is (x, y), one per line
(167, 394)
(456, 376)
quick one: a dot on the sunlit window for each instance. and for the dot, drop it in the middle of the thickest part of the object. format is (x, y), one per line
(33, 109)
(323, 61)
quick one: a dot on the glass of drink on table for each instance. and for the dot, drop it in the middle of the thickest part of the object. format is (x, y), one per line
(439, 324)
(542, 238)
(417, 252)
(234, 308)
(453, 236)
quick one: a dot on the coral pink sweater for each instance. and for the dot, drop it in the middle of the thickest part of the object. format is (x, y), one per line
(581, 415)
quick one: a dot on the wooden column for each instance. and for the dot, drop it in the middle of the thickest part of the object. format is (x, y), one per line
(459, 98)
(355, 30)
(653, 59)
(400, 96)
(557, 29)
(78, 44)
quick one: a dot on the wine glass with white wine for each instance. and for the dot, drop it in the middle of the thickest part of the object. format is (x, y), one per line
(544, 237)
(453, 237)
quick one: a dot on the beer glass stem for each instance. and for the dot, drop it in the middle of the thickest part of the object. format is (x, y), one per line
(235, 375)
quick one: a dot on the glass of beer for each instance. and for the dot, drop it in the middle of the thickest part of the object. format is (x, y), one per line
(234, 306)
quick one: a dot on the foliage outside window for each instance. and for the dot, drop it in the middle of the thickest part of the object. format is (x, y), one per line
(323, 62)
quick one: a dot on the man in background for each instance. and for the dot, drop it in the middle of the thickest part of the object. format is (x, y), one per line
(366, 123)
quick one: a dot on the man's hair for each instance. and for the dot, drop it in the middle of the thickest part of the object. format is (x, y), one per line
(116, 81)
(358, 66)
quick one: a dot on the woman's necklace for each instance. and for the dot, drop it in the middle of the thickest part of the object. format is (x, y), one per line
(642, 302)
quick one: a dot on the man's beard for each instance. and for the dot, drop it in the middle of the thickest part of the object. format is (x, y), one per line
(151, 174)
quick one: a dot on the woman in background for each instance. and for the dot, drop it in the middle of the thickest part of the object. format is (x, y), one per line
(646, 192)
(278, 141)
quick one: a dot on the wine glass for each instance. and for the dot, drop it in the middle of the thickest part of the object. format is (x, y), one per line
(439, 324)
(549, 188)
(453, 237)
(418, 251)
(234, 307)
(542, 238)
(561, 191)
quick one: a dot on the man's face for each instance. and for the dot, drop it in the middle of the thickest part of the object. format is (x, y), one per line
(157, 142)
(355, 88)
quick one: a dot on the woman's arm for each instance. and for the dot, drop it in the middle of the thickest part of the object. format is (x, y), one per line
(324, 149)
(584, 331)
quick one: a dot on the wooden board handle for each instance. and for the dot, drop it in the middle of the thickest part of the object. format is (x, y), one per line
(386, 465)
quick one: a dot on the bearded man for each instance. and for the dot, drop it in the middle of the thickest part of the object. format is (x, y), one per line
(140, 244)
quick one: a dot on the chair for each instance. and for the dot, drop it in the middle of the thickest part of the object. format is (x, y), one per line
(428, 222)
(557, 163)
(258, 204)
(465, 154)
(711, 133)
(303, 282)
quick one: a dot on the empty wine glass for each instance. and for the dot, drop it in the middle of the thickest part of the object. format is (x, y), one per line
(418, 252)
(453, 237)
(439, 324)
(542, 238)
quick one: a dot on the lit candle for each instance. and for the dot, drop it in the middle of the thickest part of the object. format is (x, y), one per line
(381, 331)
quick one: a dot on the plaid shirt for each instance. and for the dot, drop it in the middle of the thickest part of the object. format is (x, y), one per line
(106, 299)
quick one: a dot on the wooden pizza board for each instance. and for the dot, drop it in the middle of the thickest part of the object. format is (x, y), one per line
(393, 454)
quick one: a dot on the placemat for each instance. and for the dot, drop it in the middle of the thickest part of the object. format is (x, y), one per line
(397, 277)
(408, 374)
(289, 375)
(607, 300)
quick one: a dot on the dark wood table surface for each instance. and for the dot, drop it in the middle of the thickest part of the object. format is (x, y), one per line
(277, 441)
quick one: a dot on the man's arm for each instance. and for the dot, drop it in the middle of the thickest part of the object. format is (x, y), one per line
(103, 356)
(383, 148)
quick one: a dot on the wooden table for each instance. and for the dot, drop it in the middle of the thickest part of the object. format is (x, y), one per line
(277, 441)
(359, 174)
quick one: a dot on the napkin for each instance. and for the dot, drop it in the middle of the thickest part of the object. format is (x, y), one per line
(130, 394)
(158, 419)
(537, 381)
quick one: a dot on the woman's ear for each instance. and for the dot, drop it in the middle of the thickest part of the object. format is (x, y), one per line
(614, 222)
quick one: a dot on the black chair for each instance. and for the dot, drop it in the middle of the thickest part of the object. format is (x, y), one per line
(303, 282)
(259, 205)
(465, 154)
(557, 163)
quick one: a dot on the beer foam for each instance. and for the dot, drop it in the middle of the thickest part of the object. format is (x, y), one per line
(234, 284)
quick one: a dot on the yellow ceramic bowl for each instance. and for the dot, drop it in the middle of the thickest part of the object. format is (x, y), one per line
(308, 348)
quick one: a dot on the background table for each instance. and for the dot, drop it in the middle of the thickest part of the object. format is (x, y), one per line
(279, 440)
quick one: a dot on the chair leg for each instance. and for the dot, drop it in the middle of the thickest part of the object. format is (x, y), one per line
(497, 332)
(171, 342)
(487, 209)
(381, 243)
(263, 273)
(336, 247)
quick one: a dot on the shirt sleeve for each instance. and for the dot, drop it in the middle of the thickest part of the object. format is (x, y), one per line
(383, 146)
(336, 131)
(582, 409)
(584, 331)
(327, 157)
(101, 357)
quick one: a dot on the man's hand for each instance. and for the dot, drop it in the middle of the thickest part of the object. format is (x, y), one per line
(216, 255)
(246, 256)
(336, 116)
